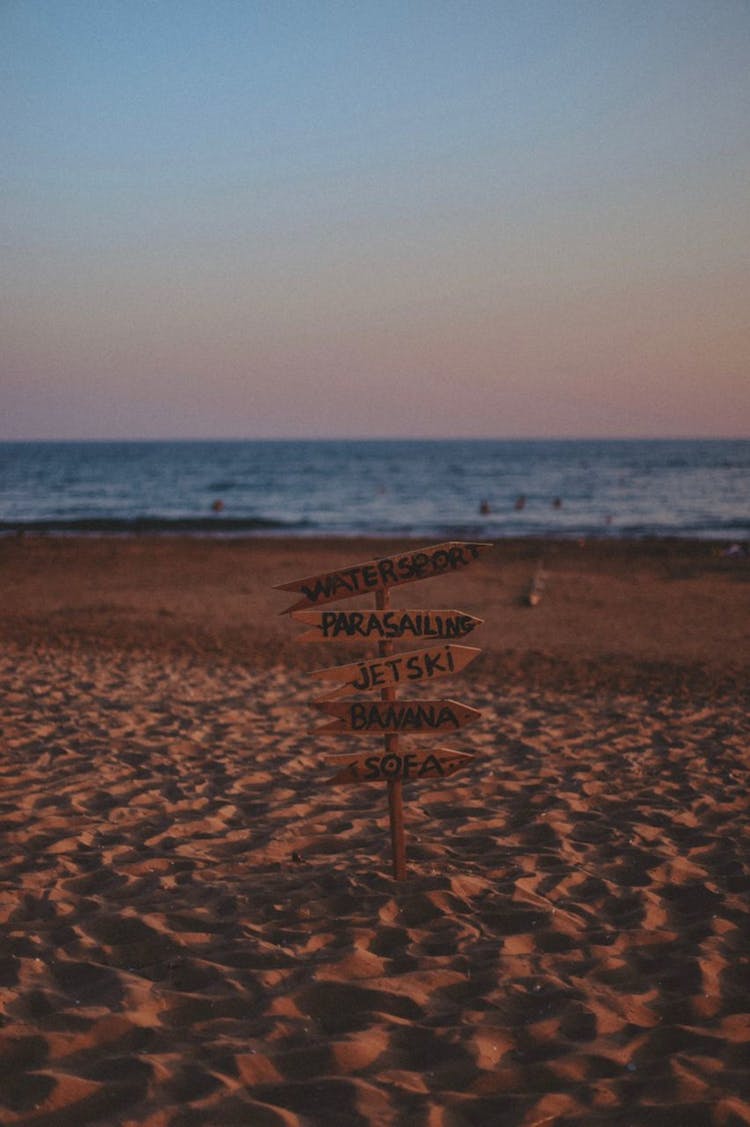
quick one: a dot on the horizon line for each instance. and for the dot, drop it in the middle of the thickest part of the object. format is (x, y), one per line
(392, 438)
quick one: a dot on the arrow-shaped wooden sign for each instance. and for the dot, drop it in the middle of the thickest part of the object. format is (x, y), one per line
(366, 717)
(383, 625)
(413, 665)
(388, 571)
(405, 765)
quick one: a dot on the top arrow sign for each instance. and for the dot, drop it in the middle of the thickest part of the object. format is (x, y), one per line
(388, 571)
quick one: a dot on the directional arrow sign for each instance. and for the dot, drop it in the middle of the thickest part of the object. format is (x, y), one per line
(377, 717)
(404, 765)
(415, 665)
(383, 625)
(388, 571)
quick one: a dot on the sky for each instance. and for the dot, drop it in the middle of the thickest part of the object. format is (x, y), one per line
(229, 219)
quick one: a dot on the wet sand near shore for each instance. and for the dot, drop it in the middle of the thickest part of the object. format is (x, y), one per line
(198, 930)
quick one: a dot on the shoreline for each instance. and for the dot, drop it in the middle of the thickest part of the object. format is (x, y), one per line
(204, 528)
(640, 614)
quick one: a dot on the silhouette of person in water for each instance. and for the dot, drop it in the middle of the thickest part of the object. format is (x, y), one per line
(520, 502)
(484, 508)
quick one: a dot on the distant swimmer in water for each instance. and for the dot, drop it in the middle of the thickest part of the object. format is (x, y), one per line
(520, 502)
(484, 508)
(557, 503)
(217, 506)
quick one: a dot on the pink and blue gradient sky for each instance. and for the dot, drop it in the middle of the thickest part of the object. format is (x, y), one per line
(254, 219)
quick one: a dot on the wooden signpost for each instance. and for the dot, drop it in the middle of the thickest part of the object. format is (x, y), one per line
(386, 716)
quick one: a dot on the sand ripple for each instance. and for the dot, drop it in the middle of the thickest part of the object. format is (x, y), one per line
(196, 931)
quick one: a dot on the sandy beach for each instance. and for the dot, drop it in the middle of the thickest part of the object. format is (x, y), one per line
(197, 929)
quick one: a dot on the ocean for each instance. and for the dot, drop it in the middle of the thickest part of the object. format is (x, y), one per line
(434, 489)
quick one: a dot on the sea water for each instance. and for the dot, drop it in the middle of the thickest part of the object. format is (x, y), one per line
(437, 489)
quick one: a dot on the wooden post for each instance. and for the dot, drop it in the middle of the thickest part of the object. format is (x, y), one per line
(395, 795)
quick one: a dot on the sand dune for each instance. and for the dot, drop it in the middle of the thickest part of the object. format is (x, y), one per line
(198, 930)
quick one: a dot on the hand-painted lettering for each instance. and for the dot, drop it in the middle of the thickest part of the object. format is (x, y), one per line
(387, 571)
(372, 626)
(398, 765)
(390, 766)
(421, 665)
(406, 625)
(346, 581)
(409, 763)
(456, 556)
(370, 575)
(391, 624)
(431, 766)
(363, 681)
(327, 621)
(406, 765)
(446, 716)
(366, 716)
(358, 717)
(321, 587)
(421, 563)
(433, 665)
